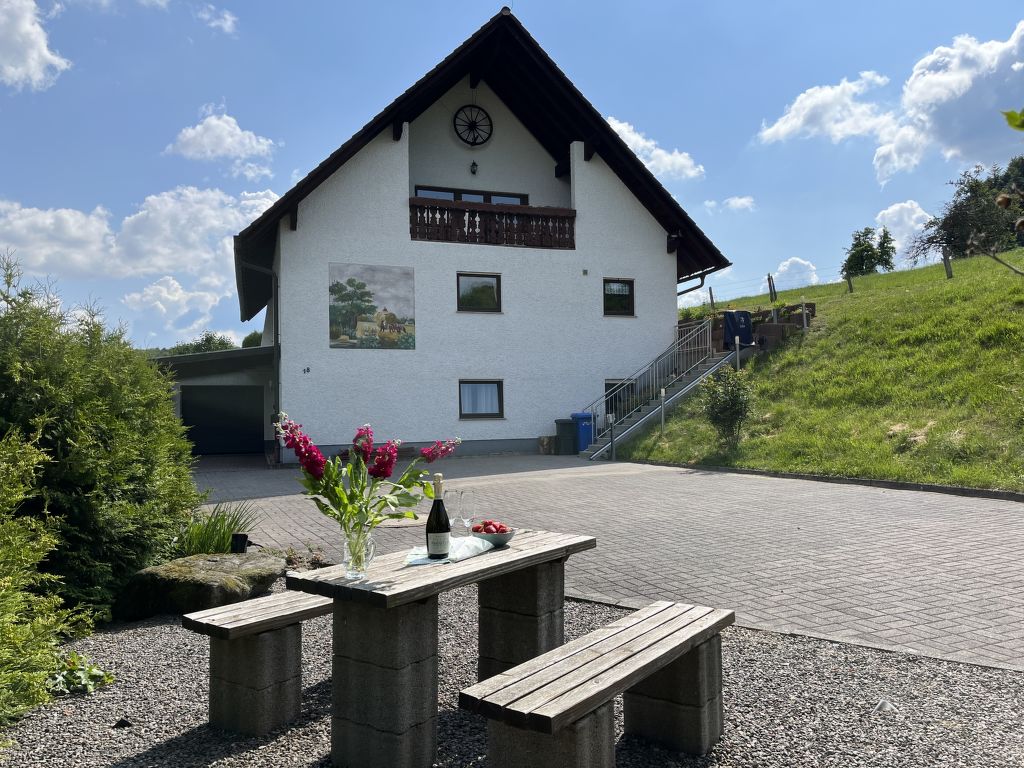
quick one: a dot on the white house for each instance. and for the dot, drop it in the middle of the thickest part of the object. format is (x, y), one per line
(478, 260)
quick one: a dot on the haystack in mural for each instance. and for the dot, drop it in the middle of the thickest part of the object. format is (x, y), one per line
(371, 307)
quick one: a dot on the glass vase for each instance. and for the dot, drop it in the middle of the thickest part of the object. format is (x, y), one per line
(359, 549)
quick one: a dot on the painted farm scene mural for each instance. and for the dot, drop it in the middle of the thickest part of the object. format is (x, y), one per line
(371, 307)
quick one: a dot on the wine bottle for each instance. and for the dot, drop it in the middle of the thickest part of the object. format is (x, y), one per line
(439, 528)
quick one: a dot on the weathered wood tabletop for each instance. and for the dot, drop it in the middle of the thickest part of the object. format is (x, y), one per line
(391, 583)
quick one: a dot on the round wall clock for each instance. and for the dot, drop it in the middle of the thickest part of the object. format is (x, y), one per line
(472, 124)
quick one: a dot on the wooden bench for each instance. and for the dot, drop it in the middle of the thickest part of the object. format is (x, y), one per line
(556, 710)
(256, 659)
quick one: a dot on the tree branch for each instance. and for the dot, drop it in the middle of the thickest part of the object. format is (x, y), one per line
(1008, 266)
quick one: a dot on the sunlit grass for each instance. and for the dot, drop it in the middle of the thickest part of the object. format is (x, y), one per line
(911, 377)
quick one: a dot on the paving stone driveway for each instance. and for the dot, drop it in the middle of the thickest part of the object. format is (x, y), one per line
(919, 572)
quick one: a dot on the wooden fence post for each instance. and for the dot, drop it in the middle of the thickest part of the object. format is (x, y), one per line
(947, 263)
(849, 284)
(711, 298)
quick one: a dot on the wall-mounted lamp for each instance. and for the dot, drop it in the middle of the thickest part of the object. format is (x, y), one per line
(472, 167)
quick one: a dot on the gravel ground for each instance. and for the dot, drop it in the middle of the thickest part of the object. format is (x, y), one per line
(789, 701)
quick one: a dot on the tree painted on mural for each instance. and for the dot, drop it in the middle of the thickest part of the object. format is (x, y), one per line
(349, 300)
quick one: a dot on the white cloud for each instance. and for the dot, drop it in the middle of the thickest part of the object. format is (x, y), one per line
(219, 137)
(660, 162)
(182, 311)
(217, 18)
(75, 242)
(833, 111)
(25, 55)
(734, 203)
(183, 230)
(795, 272)
(744, 203)
(694, 298)
(949, 102)
(903, 220)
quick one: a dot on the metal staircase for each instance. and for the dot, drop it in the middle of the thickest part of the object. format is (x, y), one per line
(635, 401)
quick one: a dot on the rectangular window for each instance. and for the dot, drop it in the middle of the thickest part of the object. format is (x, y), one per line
(472, 195)
(481, 400)
(618, 297)
(478, 292)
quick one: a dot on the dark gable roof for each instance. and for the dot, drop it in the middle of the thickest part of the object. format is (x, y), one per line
(522, 75)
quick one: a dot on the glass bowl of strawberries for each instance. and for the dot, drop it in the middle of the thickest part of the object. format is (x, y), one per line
(494, 531)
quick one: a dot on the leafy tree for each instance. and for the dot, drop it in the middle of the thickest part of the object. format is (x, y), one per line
(868, 252)
(118, 484)
(886, 250)
(253, 339)
(209, 341)
(971, 221)
(350, 300)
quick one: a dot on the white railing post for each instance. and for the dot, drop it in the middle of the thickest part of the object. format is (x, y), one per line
(736, 349)
(662, 411)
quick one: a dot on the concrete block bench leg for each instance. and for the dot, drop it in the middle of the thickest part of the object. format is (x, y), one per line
(680, 706)
(256, 681)
(587, 743)
(384, 686)
(521, 616)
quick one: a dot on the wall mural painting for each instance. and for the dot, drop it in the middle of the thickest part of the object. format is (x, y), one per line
(371, 307)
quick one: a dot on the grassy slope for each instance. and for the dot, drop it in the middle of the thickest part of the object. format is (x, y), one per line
(905, 348)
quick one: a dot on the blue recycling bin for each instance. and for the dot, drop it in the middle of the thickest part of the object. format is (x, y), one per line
(737, 323)
(584, 430)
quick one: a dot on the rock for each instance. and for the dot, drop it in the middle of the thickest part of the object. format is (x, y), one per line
(197, 582)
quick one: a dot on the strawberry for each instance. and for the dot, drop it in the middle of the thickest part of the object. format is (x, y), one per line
(478, 528)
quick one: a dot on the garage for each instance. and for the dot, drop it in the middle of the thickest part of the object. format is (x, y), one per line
(223, 419)
(225, 399)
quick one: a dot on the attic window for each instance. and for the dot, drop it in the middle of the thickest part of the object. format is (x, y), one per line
(472, 195)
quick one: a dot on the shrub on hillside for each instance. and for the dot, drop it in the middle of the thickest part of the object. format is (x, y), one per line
(31, 624)
(117, 487)
(725, 400)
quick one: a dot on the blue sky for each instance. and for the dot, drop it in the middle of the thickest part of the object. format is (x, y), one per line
(137, 136)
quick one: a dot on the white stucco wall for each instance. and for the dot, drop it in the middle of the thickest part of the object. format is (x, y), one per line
(551, 344)
(510, 161)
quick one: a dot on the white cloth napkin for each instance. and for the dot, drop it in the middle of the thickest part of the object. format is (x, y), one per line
(460, 549)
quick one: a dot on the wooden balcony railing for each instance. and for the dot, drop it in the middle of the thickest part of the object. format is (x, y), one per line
(449, 221)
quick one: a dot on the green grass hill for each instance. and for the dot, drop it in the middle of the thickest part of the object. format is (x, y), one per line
(911, 377)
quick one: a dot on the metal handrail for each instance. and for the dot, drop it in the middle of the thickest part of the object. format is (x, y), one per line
(637, 391)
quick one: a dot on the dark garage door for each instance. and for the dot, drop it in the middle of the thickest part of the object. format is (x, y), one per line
(223, 419)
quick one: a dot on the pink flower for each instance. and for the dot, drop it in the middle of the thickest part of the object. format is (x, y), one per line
(384, 459)
(363, 442)
(439, 450)
(310, 458)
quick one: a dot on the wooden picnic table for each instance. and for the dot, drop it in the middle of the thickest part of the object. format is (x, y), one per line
(384, 673)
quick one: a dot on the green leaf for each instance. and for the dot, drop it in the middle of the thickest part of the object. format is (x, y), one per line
(1015, 119)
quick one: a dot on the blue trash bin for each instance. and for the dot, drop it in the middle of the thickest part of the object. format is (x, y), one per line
(584, 430)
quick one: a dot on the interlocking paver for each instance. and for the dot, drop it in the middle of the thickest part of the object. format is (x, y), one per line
(935, 574)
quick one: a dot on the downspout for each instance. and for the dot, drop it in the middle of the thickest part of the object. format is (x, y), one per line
(277, 344)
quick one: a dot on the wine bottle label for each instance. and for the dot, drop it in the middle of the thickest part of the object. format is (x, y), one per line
(438, 543)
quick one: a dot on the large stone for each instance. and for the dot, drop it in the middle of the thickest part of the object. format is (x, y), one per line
(197, 582)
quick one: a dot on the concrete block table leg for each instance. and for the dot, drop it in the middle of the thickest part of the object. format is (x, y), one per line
(520, 616)
(384, 686)
(587, 743)
(256, 681)
(680, 707)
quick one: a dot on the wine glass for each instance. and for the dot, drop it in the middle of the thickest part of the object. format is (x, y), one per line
(467, 508)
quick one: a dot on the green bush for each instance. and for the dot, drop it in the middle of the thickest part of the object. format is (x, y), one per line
(210, 532)
(726, 398)
(31, 624)
(118, 485)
